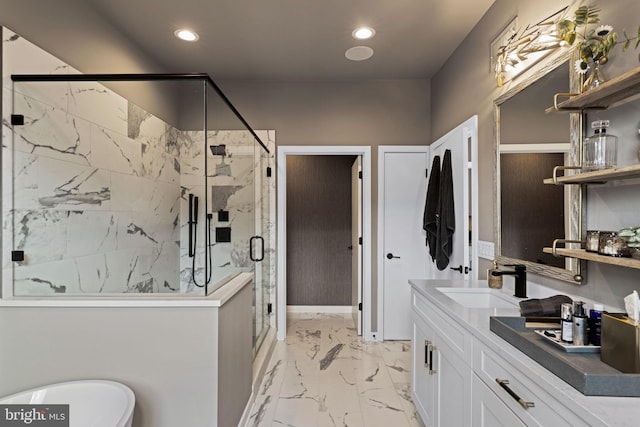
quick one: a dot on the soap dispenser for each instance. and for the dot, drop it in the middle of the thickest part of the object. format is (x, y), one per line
(600, 151)
(495, 282)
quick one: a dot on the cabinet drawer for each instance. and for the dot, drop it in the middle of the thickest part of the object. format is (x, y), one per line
(458, 338)
(488, 410)
(547, 411)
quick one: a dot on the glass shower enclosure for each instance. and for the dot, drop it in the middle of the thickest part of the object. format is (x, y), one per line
(133, 184)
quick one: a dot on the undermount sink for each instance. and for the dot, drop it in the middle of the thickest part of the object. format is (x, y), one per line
(479, 297)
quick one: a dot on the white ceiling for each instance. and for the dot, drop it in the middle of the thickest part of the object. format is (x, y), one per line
(296, 39)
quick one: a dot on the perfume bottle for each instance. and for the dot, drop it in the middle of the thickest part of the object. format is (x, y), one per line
(600, 151)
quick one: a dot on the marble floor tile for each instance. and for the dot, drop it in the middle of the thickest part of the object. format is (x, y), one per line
(323, 374)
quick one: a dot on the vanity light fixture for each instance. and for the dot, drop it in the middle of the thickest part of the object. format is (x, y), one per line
(363, 33)
(186, 35)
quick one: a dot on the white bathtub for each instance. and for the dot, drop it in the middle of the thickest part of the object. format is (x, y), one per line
(92, 403)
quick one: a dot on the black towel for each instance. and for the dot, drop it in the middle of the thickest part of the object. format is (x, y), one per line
(543, 307)
(446, 214)
(431, 207)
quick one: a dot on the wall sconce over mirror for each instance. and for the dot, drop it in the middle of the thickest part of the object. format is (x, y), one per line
(516, 49)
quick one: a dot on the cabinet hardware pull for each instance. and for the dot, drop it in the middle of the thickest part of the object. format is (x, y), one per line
(432, 348)
(427, 343)
(503, 384)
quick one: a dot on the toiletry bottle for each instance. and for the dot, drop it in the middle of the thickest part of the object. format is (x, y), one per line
(566, 323)
(595, 319)
(579, 324)
(495, 282)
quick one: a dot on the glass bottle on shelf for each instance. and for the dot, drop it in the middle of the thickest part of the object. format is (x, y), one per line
(600, 151)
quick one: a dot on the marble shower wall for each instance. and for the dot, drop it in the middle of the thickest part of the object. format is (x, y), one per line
(233, 185)
(91, 200)
(95, 189)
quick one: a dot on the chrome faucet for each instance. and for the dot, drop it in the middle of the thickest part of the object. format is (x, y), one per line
(520, 274)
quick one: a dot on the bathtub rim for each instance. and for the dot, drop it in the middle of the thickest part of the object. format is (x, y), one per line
(130, 397)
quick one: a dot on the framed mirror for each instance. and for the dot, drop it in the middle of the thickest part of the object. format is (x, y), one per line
(529, 143)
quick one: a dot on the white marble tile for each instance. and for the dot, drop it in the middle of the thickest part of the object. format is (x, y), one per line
(382, 407)
(399, 365)
(46, 278)
(115, 152)
(404, 391)
(300, 380)
(96, 104)
(296, 412)
(340, 418)
(41, 234)
(129, 271)
(65, 185)
(20, 186)
(146, 128)
(272, 380)
(51, 132)
(339, 394)
(263, 411)
(88, 101)
(159, 166)
(91, 232)
(165, 267)
(129, 193)
(136, 230)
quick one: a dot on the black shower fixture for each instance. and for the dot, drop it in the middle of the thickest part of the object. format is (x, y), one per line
(218, 150)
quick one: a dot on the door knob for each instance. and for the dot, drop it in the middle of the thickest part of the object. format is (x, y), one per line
(457, 269)
(391, 256)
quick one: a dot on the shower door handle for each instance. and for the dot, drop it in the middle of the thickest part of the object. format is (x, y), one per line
(251, 240)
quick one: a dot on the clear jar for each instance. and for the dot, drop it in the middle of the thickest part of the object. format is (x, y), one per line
(592, 241)
(600, 151)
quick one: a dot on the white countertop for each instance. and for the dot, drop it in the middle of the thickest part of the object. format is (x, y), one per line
(613, 411)
(216, 299)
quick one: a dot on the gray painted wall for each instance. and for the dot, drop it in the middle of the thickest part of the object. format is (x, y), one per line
(373, 112)
(466, 86)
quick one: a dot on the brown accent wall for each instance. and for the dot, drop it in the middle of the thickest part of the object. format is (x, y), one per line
(319, 230)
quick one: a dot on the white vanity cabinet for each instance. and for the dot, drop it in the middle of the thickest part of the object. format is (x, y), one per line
(441, 372)
(457, 376)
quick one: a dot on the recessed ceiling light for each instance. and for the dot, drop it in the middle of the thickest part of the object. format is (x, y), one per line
(363, 33)
(186, 35)
(359, 53)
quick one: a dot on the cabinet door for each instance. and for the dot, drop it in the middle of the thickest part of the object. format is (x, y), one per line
(452, 382)
(422, 381)
(487, 410)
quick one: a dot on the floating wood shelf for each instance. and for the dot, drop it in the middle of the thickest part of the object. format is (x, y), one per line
(592, 256)
(598, 176)
(603, 96)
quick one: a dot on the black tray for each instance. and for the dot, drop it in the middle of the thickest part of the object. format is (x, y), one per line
(583, 371)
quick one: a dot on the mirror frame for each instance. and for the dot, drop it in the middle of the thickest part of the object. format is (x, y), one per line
(575, 270)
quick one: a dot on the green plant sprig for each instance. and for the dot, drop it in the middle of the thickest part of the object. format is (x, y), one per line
(594, 44)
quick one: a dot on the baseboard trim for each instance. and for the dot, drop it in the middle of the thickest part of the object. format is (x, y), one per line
(319, 309)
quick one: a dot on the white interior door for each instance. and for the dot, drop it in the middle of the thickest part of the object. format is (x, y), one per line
(356, 246)
(402, 176)
(462, 143)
